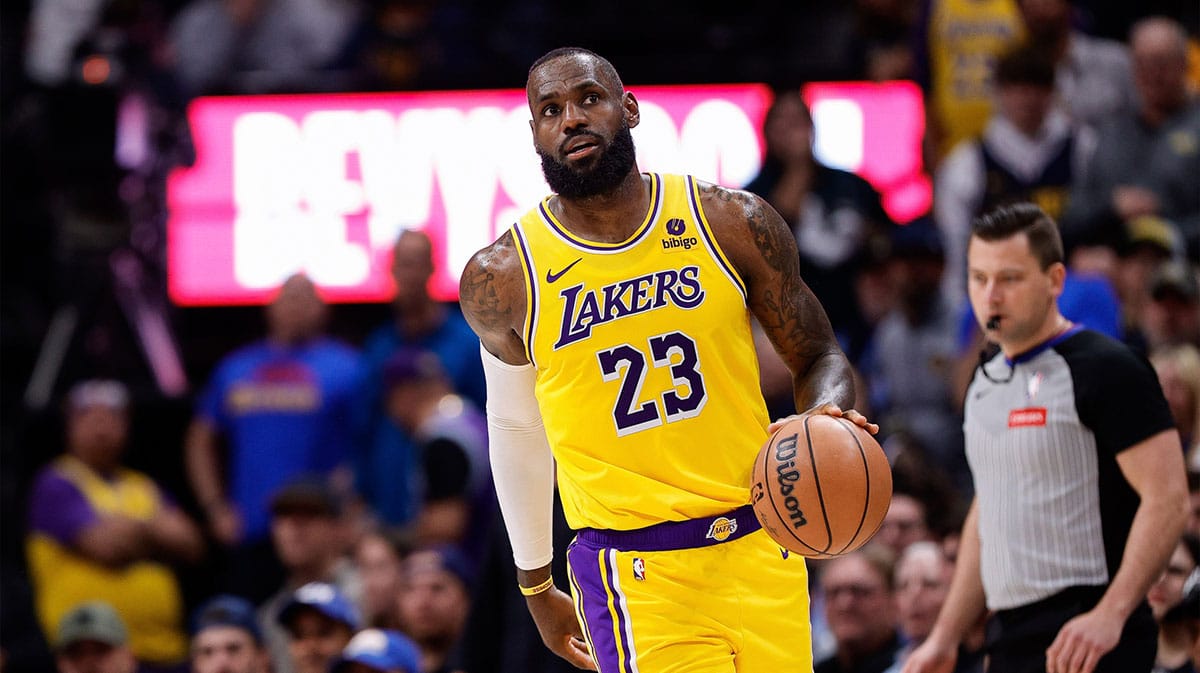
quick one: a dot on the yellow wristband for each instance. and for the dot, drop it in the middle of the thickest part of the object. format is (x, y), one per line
(541, 588)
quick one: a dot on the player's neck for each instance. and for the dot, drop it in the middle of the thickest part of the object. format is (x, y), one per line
(610, 217)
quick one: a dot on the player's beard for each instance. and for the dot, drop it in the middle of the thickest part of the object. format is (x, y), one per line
(607, 171)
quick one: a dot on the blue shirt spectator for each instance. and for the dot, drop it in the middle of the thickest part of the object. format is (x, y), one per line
(387, 471)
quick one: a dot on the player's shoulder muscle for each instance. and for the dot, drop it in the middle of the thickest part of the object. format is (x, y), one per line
(491, 293)
(749, 230)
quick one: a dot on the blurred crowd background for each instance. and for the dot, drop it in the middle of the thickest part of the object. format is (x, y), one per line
(286, 477)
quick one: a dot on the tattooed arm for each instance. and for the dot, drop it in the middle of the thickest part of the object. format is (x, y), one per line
(492, 295)
(763, 250)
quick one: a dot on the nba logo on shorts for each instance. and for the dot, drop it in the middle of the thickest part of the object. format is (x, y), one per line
(721, 529)
(639, 569)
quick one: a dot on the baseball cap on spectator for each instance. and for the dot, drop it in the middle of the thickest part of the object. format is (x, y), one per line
(227, 610)
(443, 558)
(325, 599)
(1149, 231)
(1174, 279)
(310, 494)
(408, 365)
(382, 650)
(98, 393)
(94, 621)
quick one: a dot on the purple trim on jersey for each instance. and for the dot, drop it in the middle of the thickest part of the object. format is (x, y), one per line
(1048, 343)
(591, 585)
(671, 535)
(710, 238)
(656, 190)
(58, 509)
(531, 328)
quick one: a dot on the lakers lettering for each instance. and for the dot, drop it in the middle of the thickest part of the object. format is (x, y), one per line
(584, 310)
(787, 475)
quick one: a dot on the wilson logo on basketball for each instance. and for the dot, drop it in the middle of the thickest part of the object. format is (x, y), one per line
(1024, 418)
(721, 529)
(787, 475)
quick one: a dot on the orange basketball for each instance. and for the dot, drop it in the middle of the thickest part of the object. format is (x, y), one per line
(821, 486)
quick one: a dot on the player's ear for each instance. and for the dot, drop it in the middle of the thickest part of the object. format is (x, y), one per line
(633, 115)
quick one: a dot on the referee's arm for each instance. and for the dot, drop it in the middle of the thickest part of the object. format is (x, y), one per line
(1154, 468)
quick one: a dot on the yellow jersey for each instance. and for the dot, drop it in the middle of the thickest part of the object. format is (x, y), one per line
(646, 373)
(966, 38)
(145, 593)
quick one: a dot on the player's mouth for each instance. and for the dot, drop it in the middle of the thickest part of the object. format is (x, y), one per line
(580, 147)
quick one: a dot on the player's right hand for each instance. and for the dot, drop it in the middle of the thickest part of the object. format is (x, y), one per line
(931, 657)
(554, 613)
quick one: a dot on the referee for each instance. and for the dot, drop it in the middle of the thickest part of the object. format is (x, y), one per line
(1079, 476)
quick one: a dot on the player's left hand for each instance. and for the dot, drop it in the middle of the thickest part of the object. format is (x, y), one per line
(1083, 641)
(851, 415)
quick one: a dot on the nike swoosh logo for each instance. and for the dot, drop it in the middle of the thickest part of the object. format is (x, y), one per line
(551, 276)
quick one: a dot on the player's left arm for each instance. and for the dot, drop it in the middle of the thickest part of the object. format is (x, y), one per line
(1154, 468)
(763, 251)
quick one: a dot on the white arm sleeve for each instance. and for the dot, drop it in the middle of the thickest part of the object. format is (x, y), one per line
(522, 466)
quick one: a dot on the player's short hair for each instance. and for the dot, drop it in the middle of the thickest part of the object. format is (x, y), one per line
(1011, 219)
(606, 66)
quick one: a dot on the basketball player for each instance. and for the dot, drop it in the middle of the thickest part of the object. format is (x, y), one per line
(617, 314)
(1079, 478)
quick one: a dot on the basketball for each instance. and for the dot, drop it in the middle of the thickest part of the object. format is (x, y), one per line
(821, 486)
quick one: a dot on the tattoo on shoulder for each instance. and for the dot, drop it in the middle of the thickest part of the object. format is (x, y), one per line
(486, 291)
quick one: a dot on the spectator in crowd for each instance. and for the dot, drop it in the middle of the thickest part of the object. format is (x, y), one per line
(261, 46)
(860, 610)
(1193, 522)
(101, 531)
(450, 434)
(923, 575)
(1145, 161)
(1029, 151)
(311, 542)
(833, 213)
(1175, 601)
(388, 468)
(319, 621)
(1172, 315)
(909, 361)
(1094, 78)
(379, 651)
(1148, 244)
(1178, 369)
(904, 525)
(226, 638)
(379, 557)
(282, 407)
(957, 47)
(91, 638)
(435, 601)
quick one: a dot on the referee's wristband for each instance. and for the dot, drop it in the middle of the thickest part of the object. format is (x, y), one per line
(539, 589)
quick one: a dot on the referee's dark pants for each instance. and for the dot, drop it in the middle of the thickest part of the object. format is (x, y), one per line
(1017, 639)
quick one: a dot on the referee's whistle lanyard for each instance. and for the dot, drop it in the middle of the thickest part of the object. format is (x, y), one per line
(987, 354)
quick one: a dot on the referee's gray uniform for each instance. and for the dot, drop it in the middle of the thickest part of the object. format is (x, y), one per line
(1042, 435)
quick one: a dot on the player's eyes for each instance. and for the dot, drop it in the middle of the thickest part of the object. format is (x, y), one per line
(549, 110)
(591, 98)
